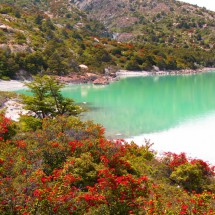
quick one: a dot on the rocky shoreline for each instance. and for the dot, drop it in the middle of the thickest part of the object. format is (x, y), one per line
(108, 78)
(14, 109)
(125, 73)
(99, 79)
(88, 78)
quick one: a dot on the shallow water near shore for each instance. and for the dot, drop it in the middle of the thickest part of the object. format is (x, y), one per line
(195, 137)
(176, 112)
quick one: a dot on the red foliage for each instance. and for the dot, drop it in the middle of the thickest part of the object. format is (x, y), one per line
(21, 144)
(174, 160)
(74, 145)
(87, 173)
(4, 124)
(184, 209)
(206, 168)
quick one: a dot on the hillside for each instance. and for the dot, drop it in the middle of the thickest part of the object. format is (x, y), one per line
(48, 38)
(55, 37)
(165, 22)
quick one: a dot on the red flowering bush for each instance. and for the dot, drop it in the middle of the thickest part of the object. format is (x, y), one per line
(192, 174)
(69, 167)
(6, 129)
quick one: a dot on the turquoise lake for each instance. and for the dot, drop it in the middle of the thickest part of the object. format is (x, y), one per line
(138, 105)
(177, 113)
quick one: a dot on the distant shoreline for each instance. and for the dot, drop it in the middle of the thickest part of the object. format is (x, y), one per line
(14, 85)
(109, 78)
(126, 73)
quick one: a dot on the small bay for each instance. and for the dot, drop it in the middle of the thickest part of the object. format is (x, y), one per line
(138, 105)
(147, 107)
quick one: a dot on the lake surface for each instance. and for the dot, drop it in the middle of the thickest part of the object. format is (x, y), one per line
(138, 105)
(176, 112)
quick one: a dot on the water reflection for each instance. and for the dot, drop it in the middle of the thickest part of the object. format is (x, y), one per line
(138, 105)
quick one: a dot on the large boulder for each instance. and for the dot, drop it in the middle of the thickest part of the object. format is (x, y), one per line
(83, 67)
(101, 81)
(91, 76)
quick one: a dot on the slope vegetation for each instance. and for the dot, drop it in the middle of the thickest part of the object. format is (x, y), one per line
(165, 22)
(55, 37)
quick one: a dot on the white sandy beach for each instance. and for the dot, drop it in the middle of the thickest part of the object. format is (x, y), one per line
(127, 73)
(11, 85)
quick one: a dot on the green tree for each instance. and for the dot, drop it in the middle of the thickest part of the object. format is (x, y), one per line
(38, 19)
(47, 100)
(189, 176)
(132, 65)
(34, 62)
(8, 64)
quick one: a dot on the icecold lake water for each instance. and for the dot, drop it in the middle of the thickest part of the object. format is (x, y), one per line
(177, 113)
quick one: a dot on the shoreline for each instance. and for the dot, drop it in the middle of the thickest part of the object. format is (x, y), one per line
(14, 109)
(109, 78)
(12, 85)
(126, 73)
(96, 79)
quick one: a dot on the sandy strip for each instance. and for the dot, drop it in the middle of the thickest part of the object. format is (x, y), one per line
(11, 85)
(127, 73)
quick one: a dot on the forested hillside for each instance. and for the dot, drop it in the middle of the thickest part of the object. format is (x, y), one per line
(163, 22)
(35, 40)
(55, 37)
